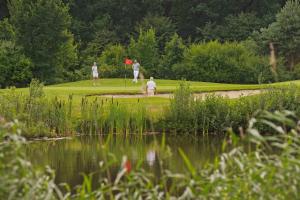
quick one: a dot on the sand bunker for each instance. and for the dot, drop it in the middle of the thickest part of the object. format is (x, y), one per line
(229, 94)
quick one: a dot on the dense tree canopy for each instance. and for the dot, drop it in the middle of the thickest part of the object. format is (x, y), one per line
(64, 37)
(189, 17)
(285, 33)
(42, 30)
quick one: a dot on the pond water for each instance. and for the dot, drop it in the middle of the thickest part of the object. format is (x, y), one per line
(82, 154)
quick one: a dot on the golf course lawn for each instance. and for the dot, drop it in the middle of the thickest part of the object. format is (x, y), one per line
(86, 88)
(120, 86)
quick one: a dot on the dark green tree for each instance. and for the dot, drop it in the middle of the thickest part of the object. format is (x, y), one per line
(3, 9)
(284, 33)
(113, 55)
(163, 26)
(42, 29)
(103, 35)
(7, 31)
(145, 50)
(235, 28)
(112, 61)
(15, 67)
(173, 54)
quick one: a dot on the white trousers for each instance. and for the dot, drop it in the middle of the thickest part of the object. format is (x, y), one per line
(150, 92)
(135, 75)
(95, 75)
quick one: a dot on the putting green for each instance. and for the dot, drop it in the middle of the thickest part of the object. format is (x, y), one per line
(118, 86)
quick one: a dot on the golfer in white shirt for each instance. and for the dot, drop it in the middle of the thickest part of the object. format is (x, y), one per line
(136, 68)
(151, 87)
(95, 72)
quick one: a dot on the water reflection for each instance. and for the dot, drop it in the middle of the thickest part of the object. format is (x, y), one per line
(83, 154)
(150, 157)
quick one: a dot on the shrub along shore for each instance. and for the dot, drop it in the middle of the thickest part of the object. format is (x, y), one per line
(52, 117)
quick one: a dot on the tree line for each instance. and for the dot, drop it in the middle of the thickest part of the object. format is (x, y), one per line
(57, 40)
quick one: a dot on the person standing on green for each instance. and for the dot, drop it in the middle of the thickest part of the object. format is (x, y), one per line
(136, 68)
(95, 72)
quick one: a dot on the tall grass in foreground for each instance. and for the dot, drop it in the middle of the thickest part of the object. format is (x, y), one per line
(39, 115)
(108, 116)
(216, 113)
(236, 174)
(42, 116)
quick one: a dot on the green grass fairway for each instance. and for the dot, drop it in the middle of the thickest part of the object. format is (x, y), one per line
(84, 88)
(117, 86)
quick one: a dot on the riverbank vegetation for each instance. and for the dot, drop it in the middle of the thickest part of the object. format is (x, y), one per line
(52, 116)
(258, 173)
(215, 113)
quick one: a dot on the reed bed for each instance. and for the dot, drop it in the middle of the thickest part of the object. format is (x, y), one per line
(42, 116)
(108, 116)
(215, 114)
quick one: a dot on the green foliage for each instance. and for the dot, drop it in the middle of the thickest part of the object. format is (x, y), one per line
(15, 67)
(42, 29)
(6, 30)
(145, 50)
(285, 32)
(39, 116)
(214, 114)
(99, 117)
(234, 28)
(18, 178)
(112, 61)
(181, 109)
(163, 26)
(216, 62)
(173, 54)
(101, 36)
(256, 172)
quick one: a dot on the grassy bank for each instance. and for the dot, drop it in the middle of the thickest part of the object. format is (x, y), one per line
(117, 86)
(81, 89)
(42, 115)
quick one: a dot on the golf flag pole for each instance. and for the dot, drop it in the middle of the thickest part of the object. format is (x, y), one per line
(127, 62)
(125, 73)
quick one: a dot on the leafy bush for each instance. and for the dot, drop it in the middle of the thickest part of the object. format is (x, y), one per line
(216, 62)
(173, 54)
(112, 62)
(15, 67)
(18, 178)
(163, 26)
(145, 50)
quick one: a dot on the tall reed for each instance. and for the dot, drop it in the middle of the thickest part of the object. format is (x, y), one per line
(39, 115)
(216, 113)
(102, 117)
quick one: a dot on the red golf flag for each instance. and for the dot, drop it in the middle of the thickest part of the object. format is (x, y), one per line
(128, 61)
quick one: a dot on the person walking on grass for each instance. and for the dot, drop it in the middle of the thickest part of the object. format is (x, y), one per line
(136, 68)
(151, 87)
(95, 73)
